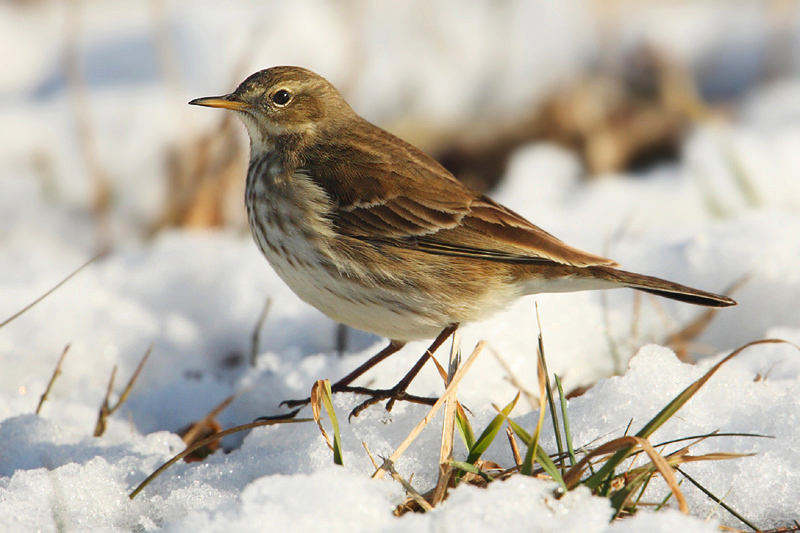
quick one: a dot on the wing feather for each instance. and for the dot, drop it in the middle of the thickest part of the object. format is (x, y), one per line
(387, 191)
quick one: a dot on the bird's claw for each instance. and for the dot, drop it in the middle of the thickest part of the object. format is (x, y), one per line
(395, 394)
(294, 403)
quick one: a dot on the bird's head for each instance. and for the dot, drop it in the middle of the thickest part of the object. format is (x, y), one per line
(283, 100)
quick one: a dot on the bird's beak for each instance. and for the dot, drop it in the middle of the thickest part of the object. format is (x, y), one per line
(229, 101)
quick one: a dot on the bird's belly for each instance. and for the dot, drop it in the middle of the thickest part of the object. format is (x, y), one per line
(397, 316)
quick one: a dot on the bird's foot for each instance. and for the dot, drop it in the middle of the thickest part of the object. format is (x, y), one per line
(395, 394)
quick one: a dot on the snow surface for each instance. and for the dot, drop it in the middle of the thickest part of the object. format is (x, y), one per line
(196, 295)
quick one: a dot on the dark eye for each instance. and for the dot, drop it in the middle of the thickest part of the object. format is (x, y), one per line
(281, 97)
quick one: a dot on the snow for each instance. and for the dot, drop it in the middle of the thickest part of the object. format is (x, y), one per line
(728, 209)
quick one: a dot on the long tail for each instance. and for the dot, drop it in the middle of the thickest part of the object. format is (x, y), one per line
(661, 287)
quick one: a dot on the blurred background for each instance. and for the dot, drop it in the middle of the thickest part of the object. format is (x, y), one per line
(99, 147)
(663, 134)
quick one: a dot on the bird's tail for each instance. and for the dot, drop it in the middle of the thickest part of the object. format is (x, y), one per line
(661, 287)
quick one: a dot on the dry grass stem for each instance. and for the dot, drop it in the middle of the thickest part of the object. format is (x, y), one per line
(448, 426)
(56, 373)
(256, 336)
(106, 410)
(321, 395)
(191, 434)
(316, 411)
(434, 409)
(205, 442)
(512, 441)
(631, 443)
(51, 291)
(369, 454)
(666, 472)
(512, 377)
(204, 428)
(412, 492)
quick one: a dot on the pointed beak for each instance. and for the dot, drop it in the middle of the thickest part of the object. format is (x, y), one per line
(229, 101)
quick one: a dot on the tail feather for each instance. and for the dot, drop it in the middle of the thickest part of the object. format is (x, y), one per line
(661, 287)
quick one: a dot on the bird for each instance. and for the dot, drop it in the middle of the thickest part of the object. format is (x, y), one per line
(379, 236)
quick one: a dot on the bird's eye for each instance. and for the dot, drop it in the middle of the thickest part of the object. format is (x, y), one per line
(281, 97)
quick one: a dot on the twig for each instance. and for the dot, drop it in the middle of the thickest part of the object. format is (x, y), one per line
(56, 373)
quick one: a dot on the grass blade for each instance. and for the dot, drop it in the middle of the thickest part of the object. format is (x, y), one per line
(541, 456)
(666, 413)
(567, 433)
(491, 431)
(321, 394)
(472, 469)
(548, 389)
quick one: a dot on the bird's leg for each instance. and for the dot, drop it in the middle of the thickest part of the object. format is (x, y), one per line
(391, 349)
(342, 384)
(398, 392)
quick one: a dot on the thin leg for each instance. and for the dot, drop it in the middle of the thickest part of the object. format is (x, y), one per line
(341, 385)
(398, 392)
(341, 339)
(391, 349)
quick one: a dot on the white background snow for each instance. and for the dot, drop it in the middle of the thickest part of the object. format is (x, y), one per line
(196, 295)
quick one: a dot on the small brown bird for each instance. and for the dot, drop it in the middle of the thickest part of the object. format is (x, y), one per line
(379, 236)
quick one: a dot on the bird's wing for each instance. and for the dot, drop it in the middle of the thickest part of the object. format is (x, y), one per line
(387, 191)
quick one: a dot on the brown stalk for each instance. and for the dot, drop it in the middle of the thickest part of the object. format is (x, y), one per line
(369, 454)
(459, 375)
(572, 476)
(448, 427)
(204, 428)
(205, 442)
(196, 429)
(512, 441)
(105, 409)
(316, 402)
(56, 373)
(666, 472)
(412, 492)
